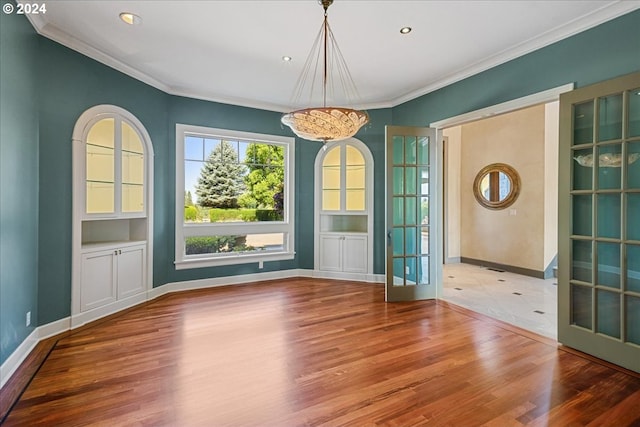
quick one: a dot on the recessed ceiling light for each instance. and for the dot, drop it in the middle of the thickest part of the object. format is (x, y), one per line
(286, 58)
(405, 30)
(130, 18)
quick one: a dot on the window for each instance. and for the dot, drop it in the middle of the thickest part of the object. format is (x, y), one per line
(234, 197)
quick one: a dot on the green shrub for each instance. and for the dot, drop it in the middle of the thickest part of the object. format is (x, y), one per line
(230, 215)
(248, 215)
(244, 215)
(190, 213)
(219, 215)
(216, 244)
(246, 201)
(268, 215)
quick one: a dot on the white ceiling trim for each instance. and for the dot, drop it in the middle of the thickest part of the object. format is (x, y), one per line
(59, 36)
(594, 19)
(597, 17)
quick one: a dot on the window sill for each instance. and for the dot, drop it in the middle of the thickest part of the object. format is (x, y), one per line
(231, 259)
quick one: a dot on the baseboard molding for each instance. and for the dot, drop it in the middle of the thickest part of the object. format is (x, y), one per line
(13, 362)
(18, 356)
(225, 281)
(510, 268)
(353, 277)
(54, 328)
(85, 317)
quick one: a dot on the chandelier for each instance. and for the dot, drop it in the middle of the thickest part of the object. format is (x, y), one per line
(325, 123)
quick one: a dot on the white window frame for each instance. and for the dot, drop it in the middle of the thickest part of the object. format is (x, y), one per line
(183, 230)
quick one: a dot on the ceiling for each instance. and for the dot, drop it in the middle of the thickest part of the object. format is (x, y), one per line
(231, 51)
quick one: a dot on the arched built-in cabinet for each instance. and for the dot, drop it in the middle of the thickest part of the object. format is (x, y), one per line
(112, 213)
(344, 210)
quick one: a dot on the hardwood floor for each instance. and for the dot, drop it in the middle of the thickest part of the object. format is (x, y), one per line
(315, 352)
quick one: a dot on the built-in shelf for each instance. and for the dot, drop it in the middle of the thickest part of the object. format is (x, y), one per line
(343, 223)
(112, 223)
(343, 228)
(114, 230)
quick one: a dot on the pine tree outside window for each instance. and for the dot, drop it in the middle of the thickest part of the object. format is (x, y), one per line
(237, 194)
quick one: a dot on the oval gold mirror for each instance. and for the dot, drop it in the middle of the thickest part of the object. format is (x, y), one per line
(496, 186)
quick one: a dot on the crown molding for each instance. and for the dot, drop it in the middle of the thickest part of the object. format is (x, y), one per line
(65, 39)
(595, 18)
(604, 14)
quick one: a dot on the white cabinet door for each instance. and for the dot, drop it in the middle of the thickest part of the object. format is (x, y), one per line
(330, 252)
(130, 271)
(354, 249)
(98, 286)
(112, 274)
(343, 252)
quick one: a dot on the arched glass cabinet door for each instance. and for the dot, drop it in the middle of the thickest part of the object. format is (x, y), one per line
(100, 167)
(331, 178)
(344, 180)
(132, 173)
(114, 168)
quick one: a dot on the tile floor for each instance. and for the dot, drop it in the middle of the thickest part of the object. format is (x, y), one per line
(523, 301)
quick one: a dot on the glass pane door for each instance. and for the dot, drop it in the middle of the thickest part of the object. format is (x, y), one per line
(100, 167)
(411, 207)
(132, 168)
(599, 249)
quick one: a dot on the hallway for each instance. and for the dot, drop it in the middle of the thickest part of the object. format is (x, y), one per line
(523, 301)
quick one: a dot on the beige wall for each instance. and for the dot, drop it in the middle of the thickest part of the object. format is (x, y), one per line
(525, 234)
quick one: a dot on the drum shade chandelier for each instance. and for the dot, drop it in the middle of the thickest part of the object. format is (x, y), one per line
(325, 123)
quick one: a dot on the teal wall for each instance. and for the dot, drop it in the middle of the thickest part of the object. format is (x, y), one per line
(18, 181)
(203, 113)
(70, 83)
(373, 135)
(601, 53)
(45, 88)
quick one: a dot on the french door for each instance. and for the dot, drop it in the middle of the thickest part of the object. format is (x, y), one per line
(412, 219)
(599, 221)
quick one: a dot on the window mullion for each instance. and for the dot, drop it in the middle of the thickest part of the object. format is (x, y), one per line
(191, 230)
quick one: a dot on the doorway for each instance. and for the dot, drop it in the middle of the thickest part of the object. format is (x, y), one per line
(500, 262)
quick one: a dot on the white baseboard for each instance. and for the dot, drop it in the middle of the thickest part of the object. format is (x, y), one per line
(85, 317)
(54, 328)
(18, 356)
(355, 277)
(68, 323)
(225, 281)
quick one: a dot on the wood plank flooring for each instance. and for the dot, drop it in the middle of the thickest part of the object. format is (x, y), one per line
(315, 352)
